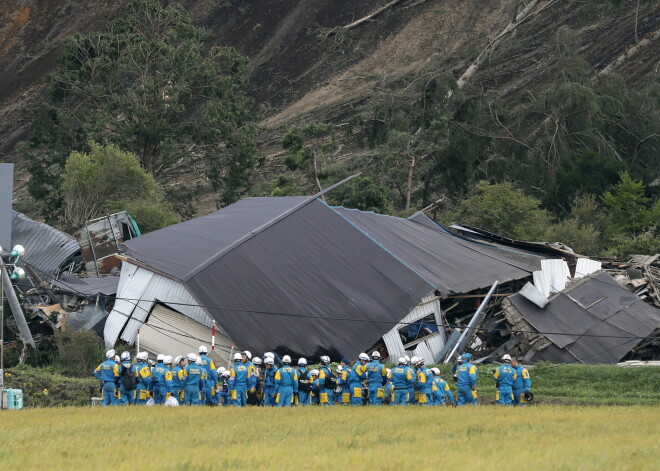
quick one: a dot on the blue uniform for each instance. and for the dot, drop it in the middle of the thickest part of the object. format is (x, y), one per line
(441, 391)
(402, 378)
(376, 376)
(286, 380)
(195, 377)
(208, 394)
(127, 397)
(521, 383)
(239, 375)
(316, 391)
(326, 395)
(108, 374)
(270, 388)
(423, 386)
(161, 382)
(144, 383)
(411, 386)
(304, 387)
(467, 379)
(224, 398)
(178, 383)
(504, 377)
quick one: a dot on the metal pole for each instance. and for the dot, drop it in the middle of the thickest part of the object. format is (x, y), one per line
(477, 315)
(137, 343)
(2, 340)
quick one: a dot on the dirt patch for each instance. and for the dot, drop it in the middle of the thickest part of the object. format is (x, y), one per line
(8, 34)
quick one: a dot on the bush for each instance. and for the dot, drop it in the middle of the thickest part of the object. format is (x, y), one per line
(79, 351)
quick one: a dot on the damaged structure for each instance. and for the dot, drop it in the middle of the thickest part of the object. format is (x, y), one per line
(296, 276)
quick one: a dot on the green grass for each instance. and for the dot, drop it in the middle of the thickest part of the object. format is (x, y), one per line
(552, 384)
(482, 438)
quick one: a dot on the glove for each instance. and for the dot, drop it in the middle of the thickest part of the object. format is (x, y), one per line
(474, 388)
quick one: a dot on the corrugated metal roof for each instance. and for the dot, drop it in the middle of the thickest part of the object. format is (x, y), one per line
(46, 248)
(586, 267)
(589, 322)
(88, 286)
(451, 263)
(291, 275)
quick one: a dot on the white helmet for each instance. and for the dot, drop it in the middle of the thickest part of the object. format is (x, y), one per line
(226, 374)
(198, 361)
(375, 354)
(420, 361)
(248, 354)
(142, 356)
(167, 360)
(286, 359)
(302, 362)
(203, 349)
(178, 359)
(314, 372)
(363, 357)
(414, 360)
(192, 357)
(257, 361)
(269, 355)
(238, 357)
(125, 356)
(339, 368)
(403, 361)
(160, 357)
(117, 359)
(506, 358)
(436, 371)
(221, 370)
(110, 353)
(269, 361)
(325, 359)
(407, 358)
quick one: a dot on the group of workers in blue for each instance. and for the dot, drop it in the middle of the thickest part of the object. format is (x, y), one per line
(194, 380)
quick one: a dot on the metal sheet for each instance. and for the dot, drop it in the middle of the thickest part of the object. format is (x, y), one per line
(107, 285)
(172, 333)
(586, 267)
(6, 197)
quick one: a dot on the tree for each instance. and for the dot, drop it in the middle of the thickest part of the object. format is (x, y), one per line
(107, 180)
(627, 204)
(147, 83)
(501, 208)
(362, 193)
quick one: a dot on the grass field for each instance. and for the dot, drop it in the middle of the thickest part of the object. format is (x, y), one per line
(481, 438)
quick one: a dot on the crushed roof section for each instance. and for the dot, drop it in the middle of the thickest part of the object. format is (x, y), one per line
(588, 322)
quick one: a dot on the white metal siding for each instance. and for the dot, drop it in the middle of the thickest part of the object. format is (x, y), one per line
(586, 267)
(172, 333)
(429, 348)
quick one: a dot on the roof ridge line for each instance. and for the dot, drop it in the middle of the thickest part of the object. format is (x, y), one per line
(262, 228)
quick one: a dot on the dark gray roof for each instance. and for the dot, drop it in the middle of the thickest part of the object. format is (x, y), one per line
(46, 248)
(87, 286)
(589, 322)
(287, 274)
(451, 263)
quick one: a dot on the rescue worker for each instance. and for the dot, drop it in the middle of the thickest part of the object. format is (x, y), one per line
(327, 382)
(304, 383)
(208, 396)
(108, 374)
(142, 391)
(341, 388)
(128, 371)
(467, 382)
(239, 375)
(454, 367)
(423, 384)
(376, 378)
(116, 399)
(521, 384)
(504, 377)
(194, 376)
(159, 375)
(224, 397)
(410, 362)
(178, 378)
(286, 379)
(314, 382)
(255, 384)
(270, 388)
(401, 377)
(440, 389)
(389, 389)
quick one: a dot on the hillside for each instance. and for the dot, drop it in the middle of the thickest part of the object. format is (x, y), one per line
(303, 71)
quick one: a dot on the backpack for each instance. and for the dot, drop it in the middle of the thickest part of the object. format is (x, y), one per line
(330, 380)
(128, 380)
(303, 382)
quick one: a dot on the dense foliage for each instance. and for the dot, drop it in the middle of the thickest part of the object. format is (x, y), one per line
(148, 84)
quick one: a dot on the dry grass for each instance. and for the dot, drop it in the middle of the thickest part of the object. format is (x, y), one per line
(487, 437)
